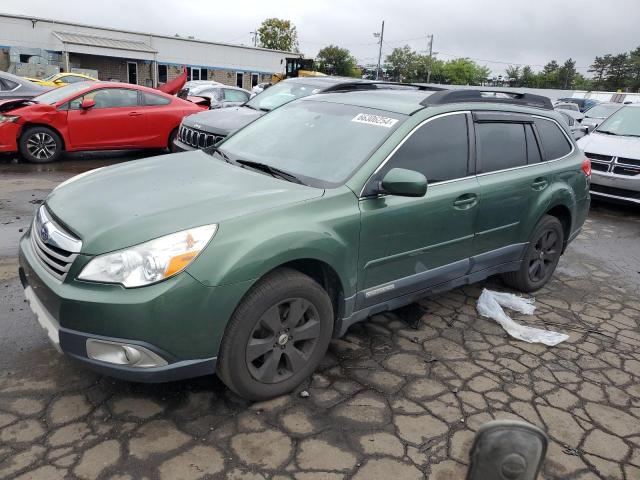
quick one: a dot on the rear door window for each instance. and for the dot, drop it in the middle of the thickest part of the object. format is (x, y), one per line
(235, 95)
(554, 141)
(500, 146)
(439, 150)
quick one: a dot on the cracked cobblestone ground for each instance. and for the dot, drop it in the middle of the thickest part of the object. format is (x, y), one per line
(389, 401)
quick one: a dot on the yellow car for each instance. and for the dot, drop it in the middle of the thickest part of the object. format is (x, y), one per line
(62, 79)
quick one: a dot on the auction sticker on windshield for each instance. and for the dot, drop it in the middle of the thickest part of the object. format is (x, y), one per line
(378, 120)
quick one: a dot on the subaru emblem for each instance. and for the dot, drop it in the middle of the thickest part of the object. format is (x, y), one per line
(197, 125)
(44, 233)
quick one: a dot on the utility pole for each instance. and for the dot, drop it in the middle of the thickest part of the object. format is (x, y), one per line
(430, 58)
(381, 35)
(255, 38)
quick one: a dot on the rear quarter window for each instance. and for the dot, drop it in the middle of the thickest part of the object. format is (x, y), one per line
(554, 141)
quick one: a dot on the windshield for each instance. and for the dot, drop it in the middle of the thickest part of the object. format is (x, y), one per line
(321, 143)
(281, 93)
(58, 94)
(625, 121)
(601, 111)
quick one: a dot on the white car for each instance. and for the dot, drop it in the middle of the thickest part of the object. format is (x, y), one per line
(614, 150)
(596, 115)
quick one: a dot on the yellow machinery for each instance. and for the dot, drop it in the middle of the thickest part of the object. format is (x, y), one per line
(297, 67)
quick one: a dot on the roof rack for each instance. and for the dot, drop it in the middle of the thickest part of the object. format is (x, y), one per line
(488, 96)
(372, 85)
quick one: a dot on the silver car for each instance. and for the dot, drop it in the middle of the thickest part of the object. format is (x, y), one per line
(12, 86)
(614, 151)
(596, 115)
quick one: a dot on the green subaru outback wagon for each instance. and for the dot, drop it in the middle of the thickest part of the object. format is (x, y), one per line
(245, 259)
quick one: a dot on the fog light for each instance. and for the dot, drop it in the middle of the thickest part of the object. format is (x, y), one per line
(123, 354)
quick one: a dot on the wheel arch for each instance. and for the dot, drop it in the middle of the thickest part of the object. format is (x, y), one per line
(563, 214)
(28, 125)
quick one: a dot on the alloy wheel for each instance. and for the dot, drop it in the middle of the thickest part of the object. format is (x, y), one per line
(283, 340)
(41, 145)
(544, 255)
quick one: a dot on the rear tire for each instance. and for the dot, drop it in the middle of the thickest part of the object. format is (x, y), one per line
(40, 145)
(277, 336)
(541, 257)
(172, 136)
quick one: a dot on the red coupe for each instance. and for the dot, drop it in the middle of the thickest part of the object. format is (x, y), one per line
(90, 116)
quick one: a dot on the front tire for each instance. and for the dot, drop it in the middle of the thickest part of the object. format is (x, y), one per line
(277, 336)
(171, 148)
(541, 257)
(40, 145)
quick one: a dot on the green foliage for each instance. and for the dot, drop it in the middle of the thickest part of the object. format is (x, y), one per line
(278, 34)
(334, 60)
(406, 65)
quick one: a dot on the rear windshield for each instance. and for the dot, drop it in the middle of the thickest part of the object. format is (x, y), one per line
(322, 143)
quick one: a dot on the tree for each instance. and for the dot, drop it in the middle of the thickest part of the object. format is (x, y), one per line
(634, 69)
(566, 74)
(599, 68)
(549, 76)
(402, 62)
(513, 72)
(278, 34)
(527, 77)
(463, 71)
(617, 75)
(334, 60)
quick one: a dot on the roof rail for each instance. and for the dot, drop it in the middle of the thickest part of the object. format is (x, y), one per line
(359, 85)
(487, 96)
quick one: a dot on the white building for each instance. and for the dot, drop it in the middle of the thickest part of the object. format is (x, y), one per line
(127, 56)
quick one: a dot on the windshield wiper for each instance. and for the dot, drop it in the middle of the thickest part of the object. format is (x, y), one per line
(215, 149)
(607, 132)
(273, 171)
(250, 106)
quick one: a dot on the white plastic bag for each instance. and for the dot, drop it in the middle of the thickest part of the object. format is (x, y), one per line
(490, 305)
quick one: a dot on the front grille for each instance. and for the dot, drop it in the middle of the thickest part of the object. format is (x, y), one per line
(628, 171)
(628, 161)
(597, 156)
(618, 192)
(48, 240)
(197, 138)
(601, 167)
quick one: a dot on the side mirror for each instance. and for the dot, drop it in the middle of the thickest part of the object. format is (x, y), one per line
(507, 449)
(588, 129)
(58, 82)
(88, 103)
(404, 183)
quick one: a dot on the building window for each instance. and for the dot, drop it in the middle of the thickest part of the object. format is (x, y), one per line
(196, 73)
(254, 79)
(239, 79)
(162, 73)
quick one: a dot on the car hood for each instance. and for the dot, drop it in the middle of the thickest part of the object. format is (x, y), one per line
(127, 204)
(222, 121)
(617, 146)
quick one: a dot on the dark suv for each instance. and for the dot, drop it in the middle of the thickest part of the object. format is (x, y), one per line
(208, 127)
(245, 258)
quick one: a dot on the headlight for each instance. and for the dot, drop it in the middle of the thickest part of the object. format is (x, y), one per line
(151, 261)
(8, 118)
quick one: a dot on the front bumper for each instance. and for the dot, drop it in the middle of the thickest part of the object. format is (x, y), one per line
(179, 320)
(9, 137)
(619, 188)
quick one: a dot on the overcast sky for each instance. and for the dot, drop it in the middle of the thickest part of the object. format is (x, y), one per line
(493, 32)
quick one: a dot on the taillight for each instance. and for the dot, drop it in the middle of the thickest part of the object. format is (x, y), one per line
(586, 167)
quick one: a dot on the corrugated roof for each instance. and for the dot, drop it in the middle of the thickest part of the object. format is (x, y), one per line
(105, 42)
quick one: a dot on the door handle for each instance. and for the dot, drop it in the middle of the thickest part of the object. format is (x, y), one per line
(539, 184)
(466, 201)
(134, 114)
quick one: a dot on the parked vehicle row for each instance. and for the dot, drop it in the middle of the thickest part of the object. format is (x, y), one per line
(246, 258)
(90, 116)
(62, 79)
(614, 150)
(13, 86)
